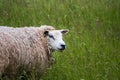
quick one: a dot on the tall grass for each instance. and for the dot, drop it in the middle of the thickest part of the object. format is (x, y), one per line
(93, 43)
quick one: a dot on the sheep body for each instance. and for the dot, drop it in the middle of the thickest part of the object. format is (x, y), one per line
(23, 48)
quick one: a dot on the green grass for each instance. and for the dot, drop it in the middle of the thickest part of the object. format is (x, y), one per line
(93, 43)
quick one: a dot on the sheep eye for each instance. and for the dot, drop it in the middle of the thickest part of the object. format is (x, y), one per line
(51, 36)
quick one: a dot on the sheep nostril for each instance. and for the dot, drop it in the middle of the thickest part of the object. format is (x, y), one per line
(63, 46)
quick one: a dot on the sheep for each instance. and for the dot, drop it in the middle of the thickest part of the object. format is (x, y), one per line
(28, 48)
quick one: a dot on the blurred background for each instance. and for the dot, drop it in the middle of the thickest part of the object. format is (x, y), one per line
(93, 43)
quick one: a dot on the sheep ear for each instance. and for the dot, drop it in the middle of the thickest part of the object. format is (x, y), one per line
(64, 31)
(46, 33)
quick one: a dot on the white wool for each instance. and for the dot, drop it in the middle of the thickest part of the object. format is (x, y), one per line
(23, 48)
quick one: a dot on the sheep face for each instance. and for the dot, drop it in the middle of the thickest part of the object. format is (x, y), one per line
(55, 39)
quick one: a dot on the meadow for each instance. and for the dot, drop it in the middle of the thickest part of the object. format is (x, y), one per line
(93, 42)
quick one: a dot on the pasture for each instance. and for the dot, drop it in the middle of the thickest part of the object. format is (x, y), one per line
(93, 41)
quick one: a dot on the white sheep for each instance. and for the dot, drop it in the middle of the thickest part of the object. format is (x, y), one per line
(29, 47)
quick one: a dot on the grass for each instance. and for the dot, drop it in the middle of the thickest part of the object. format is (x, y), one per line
(93, 43)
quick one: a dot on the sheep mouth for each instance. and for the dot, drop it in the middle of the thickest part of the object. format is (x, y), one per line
(61, 49)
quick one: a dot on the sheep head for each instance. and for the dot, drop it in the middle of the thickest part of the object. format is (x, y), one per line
(55, 39)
